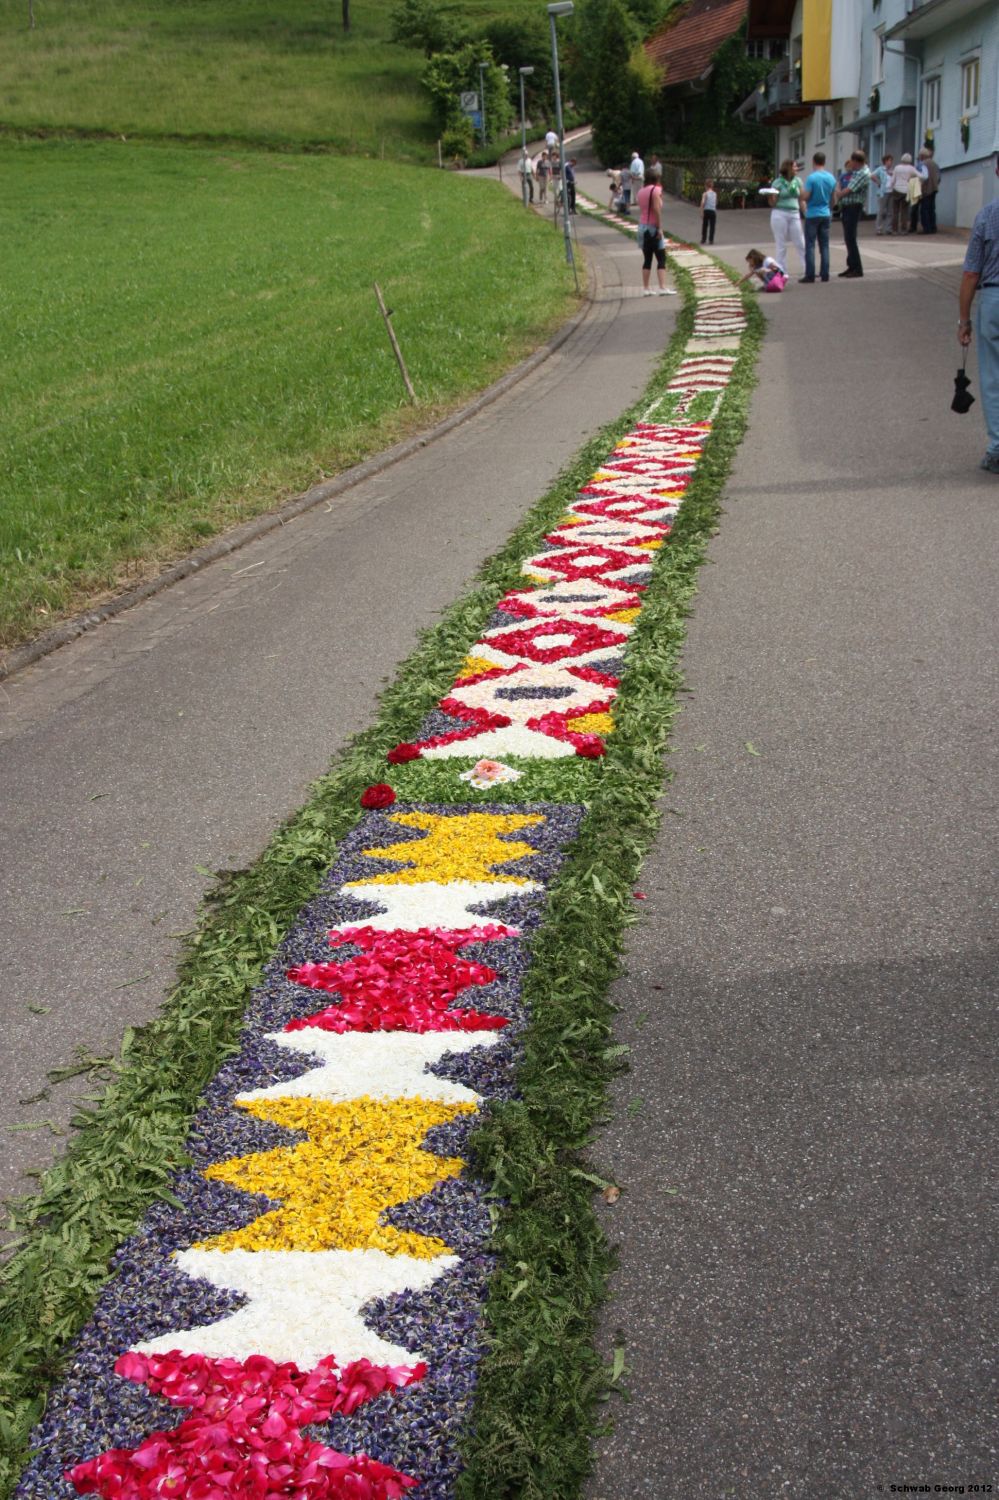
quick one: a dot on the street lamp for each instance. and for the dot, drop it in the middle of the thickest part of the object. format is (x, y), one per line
(482, 97)
(561, 8)
(524, 73)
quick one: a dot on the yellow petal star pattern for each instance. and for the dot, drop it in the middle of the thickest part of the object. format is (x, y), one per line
(361, 1158)
(458, 847)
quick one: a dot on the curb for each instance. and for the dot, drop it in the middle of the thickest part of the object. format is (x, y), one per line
(31, 652)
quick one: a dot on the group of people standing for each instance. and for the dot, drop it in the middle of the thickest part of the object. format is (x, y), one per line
(802, 213)
(626, 183)
(545, 169)
(907, 193)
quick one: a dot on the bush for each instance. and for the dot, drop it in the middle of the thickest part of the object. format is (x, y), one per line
(458, 141)
(447, 74)
(421, 23)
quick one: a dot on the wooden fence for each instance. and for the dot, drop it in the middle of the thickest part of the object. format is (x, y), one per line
(736, 178)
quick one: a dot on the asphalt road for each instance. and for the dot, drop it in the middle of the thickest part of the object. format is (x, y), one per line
(181, 733)
(803, 1140)
(806, 1137)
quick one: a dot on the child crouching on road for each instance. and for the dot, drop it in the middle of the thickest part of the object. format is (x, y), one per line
(766, 270)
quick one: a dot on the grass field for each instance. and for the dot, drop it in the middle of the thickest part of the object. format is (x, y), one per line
(234, 69)
(188, 332)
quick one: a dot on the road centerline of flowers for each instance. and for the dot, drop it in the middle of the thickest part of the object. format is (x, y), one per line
(324, 1261)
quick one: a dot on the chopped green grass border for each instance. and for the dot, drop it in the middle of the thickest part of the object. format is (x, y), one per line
(542, 1379)
(538, 1396)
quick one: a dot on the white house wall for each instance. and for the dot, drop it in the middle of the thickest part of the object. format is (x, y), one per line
(967, 178)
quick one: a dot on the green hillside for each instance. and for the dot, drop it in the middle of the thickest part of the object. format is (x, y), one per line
(190, 333)
(188, 323)
(236, 69)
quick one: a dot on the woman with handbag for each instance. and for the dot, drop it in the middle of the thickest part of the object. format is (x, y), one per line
(650, 233)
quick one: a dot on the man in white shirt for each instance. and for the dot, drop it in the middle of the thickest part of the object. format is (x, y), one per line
(551, 141)
(526, 170)
(637, 169)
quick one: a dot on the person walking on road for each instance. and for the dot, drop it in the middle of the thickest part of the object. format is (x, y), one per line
(881, 177)
(542, 171)
(570, 184)
(817, 194)
(785, 216)
(636, 168)
(650, 235)
(851, 198)
(981, 276)
(551, 142)
(709, 213)
(930, 173)
(900, 179)
(627, 189)
(526, 169)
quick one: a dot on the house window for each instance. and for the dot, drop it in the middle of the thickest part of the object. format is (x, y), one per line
(879, 55)
(796, 147)
(931, 103)
(756, 48)
(971, 83)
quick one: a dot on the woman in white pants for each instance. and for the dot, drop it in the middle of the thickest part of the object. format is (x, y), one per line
(785, 216)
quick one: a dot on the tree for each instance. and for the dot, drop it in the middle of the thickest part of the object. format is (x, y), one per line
(584, 77)
(522, 42)
(447, 74)
(709, 124)
(421, 23)
(622, 91)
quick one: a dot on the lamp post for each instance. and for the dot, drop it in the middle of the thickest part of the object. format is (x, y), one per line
(482, 97)
(561, 8)
(524, 73)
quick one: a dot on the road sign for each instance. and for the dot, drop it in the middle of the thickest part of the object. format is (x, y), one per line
(470, 103)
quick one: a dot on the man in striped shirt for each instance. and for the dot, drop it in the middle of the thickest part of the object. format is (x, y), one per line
(851, 198)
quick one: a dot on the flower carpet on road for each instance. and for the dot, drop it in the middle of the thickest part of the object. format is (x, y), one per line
(303, 1314)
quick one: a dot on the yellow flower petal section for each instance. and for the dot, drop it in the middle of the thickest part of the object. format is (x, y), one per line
(591, 724)
(473, 665)
(624, 616)
(650, 546)
(463, 846)
(360, 1159)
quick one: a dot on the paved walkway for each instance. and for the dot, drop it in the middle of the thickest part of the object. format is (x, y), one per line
(179, 735)
(804, 1138)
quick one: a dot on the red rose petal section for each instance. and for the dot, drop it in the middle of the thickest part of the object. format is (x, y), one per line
(244, 1440)
(400, 981)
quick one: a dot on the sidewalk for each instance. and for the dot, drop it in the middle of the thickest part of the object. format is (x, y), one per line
(805, 1293)
(173, 740)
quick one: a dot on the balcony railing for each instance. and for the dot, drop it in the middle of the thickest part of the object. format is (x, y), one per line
(777, 99)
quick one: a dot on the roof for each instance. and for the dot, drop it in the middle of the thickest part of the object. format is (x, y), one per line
(931, 16)
(685, 47)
